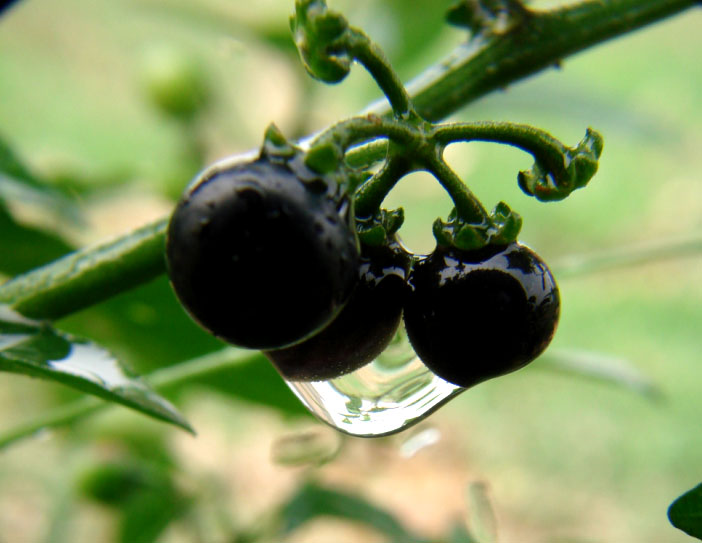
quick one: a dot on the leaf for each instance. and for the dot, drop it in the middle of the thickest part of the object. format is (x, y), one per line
(313, 501)
(18, 184)
(23, 248)
(148, 514)
(151, 327)
(685, 513)
(36, 349)
(599, 367)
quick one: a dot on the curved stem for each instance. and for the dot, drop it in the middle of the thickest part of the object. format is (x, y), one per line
(367, 154)
(373, 192)
(538, 143)
(350, 132)
(373, 59)
(468, 207)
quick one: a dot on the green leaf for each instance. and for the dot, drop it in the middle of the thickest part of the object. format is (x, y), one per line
(18, 184)
(152, 330)
(599, 367)
(313, 501)
(685, 513)
(24, 247)
(149, 513)
(36, 349)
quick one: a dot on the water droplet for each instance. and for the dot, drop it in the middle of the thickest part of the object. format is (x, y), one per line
(389, 394)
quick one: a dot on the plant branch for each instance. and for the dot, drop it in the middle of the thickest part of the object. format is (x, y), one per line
(89, 276)
(542, 40)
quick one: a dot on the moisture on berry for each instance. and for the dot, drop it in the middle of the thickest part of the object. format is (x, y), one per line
(363, 328)
(475, 315)
(263, 254)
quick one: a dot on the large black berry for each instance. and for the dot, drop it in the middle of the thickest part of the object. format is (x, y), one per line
(263, 254)
(363, 328)
(479, 314)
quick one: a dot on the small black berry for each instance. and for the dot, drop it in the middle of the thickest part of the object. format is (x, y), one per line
(262, 255)
(474, 315)
(363, 328)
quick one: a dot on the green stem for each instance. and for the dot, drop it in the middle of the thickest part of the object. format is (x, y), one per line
(162, 379)
(468, 207)
(89, 276)
(350, 132)
(364, 155)
(372, 193)
(543, 40)
(373, 59)
(538, 143)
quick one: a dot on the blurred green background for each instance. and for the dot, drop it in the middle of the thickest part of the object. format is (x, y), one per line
(562, 458)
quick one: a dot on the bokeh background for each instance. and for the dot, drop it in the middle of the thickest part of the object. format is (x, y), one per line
(539, 455)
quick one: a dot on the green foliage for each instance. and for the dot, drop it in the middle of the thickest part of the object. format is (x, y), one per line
(312, 501)
(147, 328)
(37, 350)
(685, 513)
(25, 246)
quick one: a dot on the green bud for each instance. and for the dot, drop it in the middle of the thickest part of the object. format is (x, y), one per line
(175, 83)
(318, 35)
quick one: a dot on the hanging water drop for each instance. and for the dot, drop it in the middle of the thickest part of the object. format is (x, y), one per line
(383, 397)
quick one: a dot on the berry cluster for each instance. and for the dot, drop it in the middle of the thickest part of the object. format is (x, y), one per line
(264, 255)
(292, 254)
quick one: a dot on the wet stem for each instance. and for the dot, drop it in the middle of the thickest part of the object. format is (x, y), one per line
(373, 59)
(91, 275)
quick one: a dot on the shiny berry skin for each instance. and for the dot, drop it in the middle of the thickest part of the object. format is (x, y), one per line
(363, 328)
(479, 314)
(263, 254)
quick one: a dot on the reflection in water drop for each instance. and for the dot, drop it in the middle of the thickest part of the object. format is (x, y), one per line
(391, 393)
(97, 365)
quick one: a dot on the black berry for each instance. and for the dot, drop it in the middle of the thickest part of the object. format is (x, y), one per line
(363, 328)
(263, 254)
(476, 315)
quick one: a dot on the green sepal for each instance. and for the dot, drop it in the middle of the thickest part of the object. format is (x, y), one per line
(459, 234)
(317, 168)
(276, 145)
(323, 158)
(503, 228)
(579, 166)
(319, 37)
(506, 224)
(379, 229)
(487, 16)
